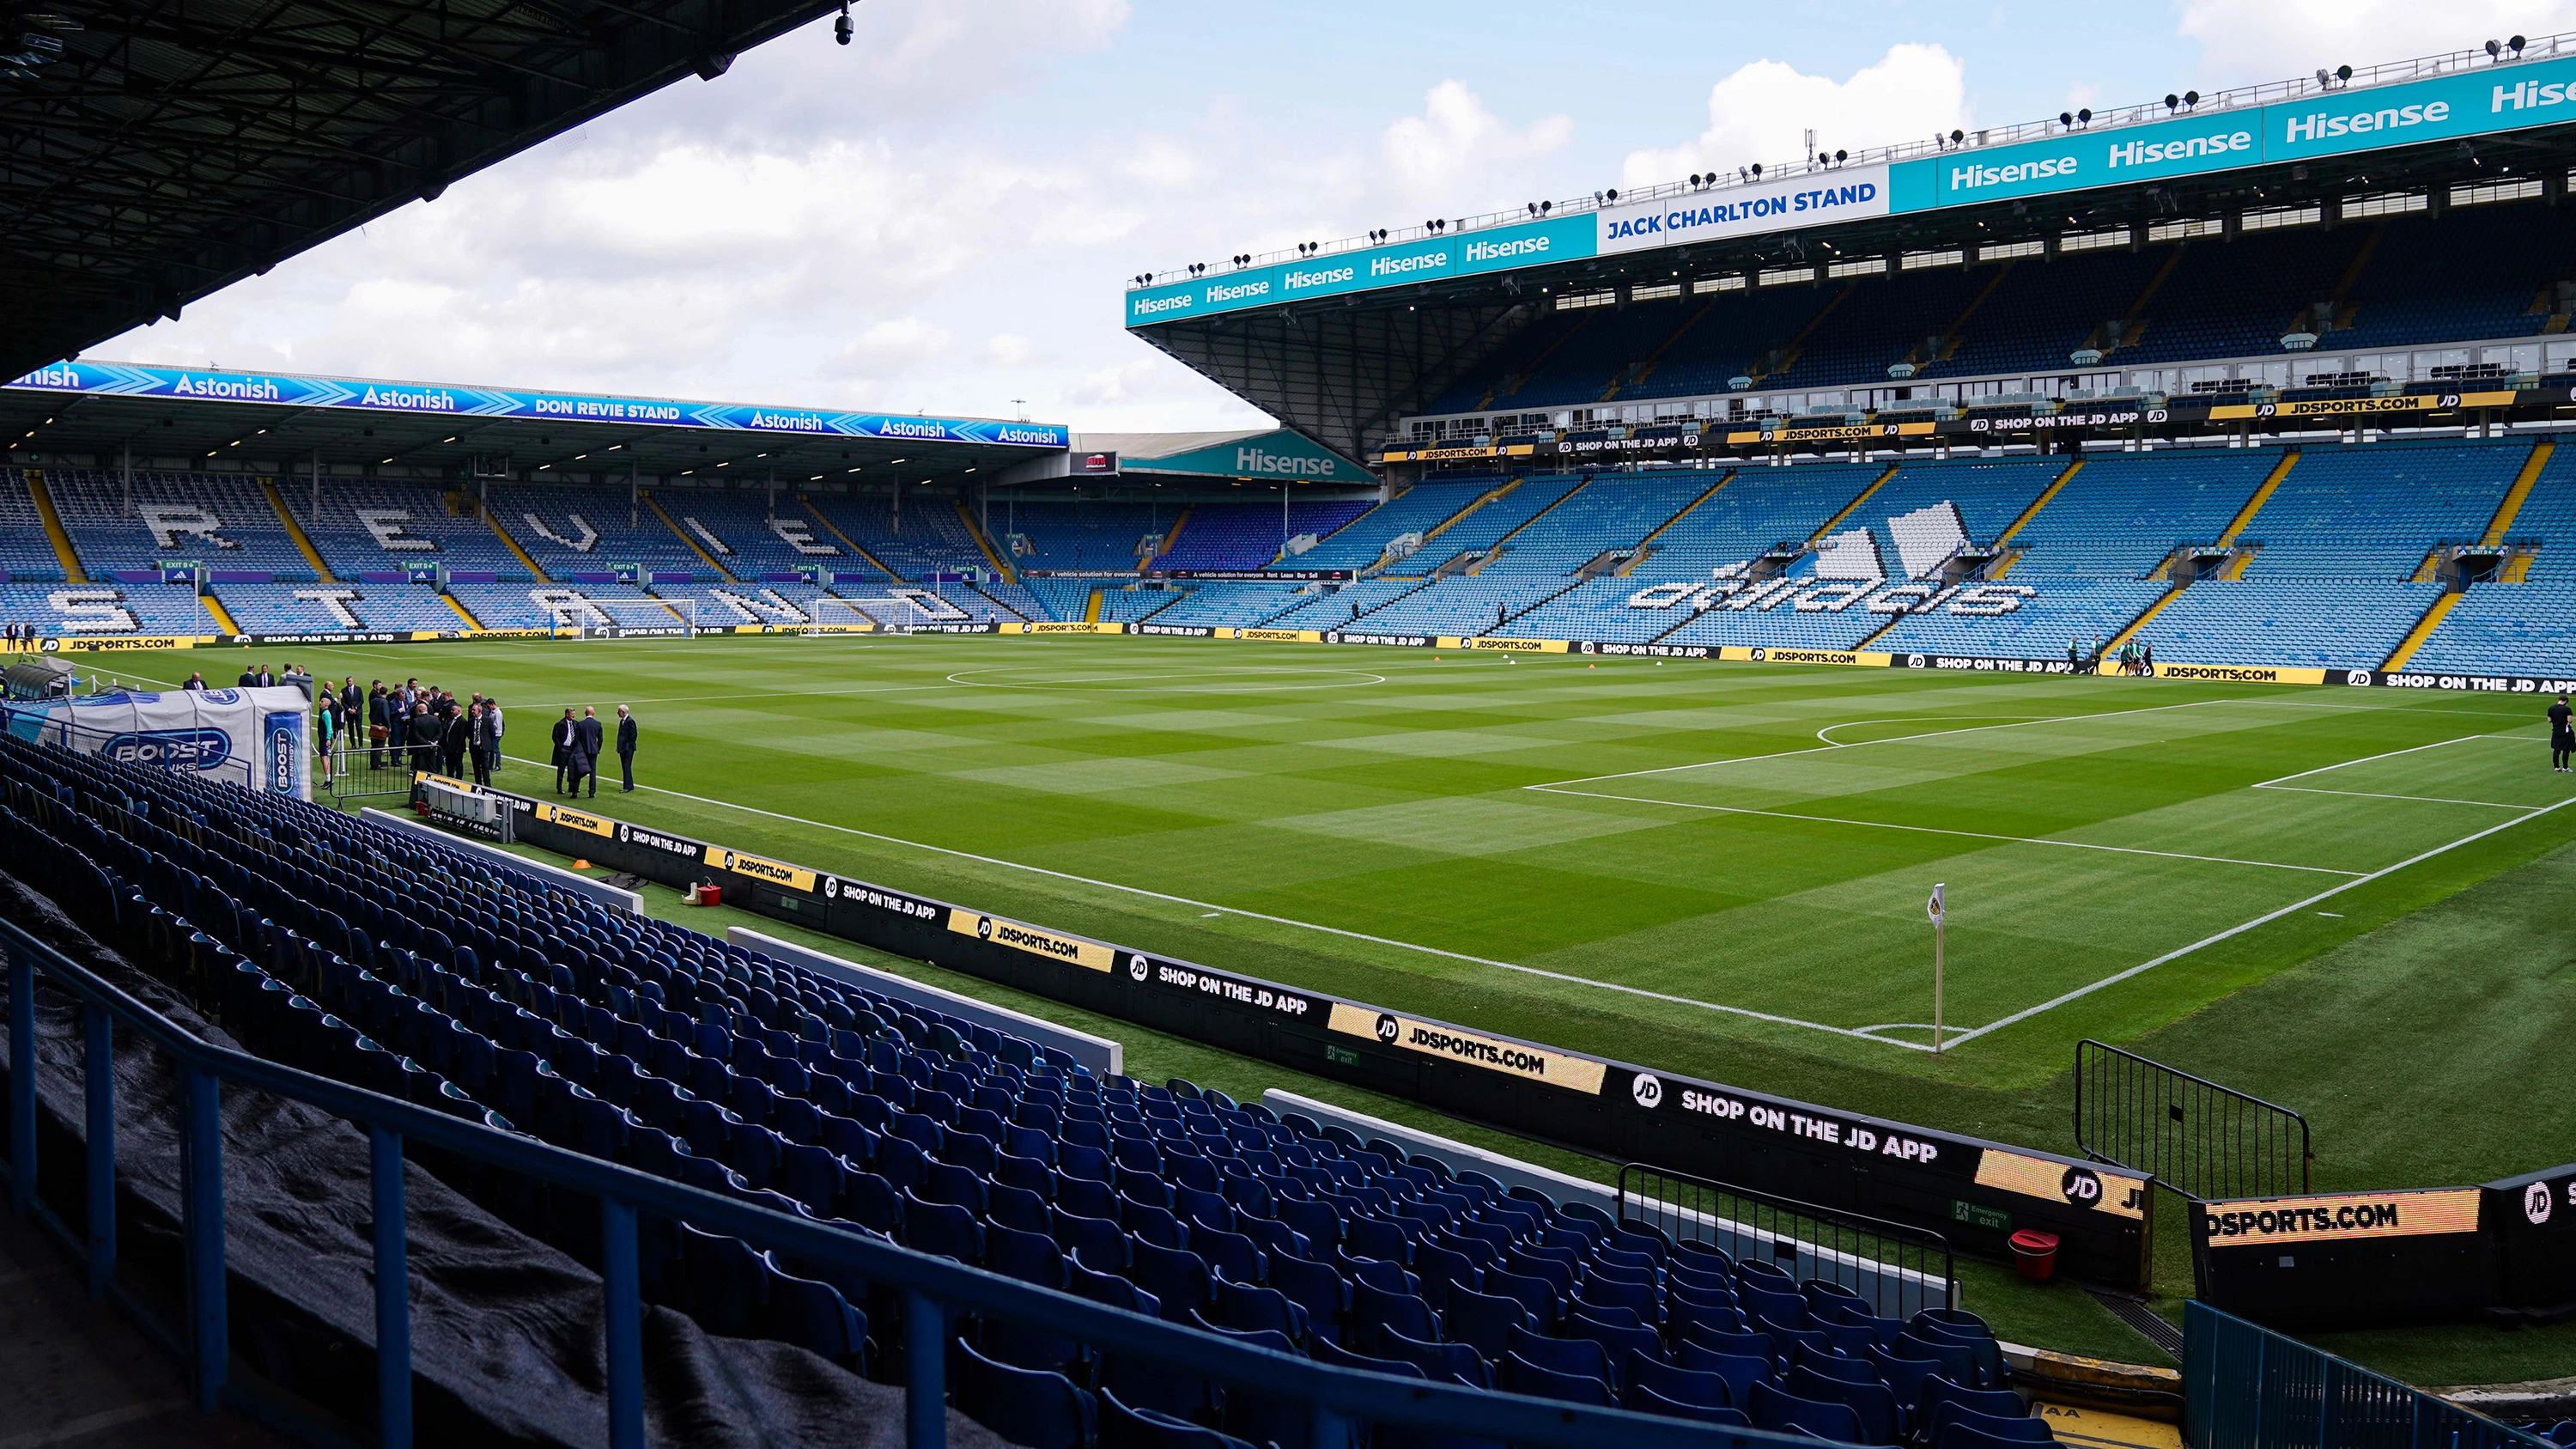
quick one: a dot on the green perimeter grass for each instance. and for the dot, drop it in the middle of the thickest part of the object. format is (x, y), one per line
(1246, 794)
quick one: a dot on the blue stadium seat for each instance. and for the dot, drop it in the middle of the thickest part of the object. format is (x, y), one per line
(1029, 1408)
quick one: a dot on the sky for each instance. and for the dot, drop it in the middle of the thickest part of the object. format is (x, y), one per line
(941, 217)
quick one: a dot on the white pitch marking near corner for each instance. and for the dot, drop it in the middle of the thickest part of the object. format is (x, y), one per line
(2175, 955)
(2281, 783)
(1567, 978)
(1826, 733)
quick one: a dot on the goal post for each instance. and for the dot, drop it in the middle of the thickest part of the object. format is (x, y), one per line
(831, 614)
(580, 616)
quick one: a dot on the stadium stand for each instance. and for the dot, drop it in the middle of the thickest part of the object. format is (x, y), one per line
(1086, 535)
(577, 532)
(1128, 606)
(1613, 511)
(1236, 605)
(1755, 509)
(2123, 513)
(2303, 620)
(107, 608)
(1345, 608)
(924, 539)
(337, 607)
(1461, 606)
(2392, 283)
(26, 554)
(413, 969)
(1360, 543)
(367, 528)
(2376, 512)
(1060, 599)
(1247, 535)
(2525, 621)
(1488, 525)
(741, 533)
(224, 521)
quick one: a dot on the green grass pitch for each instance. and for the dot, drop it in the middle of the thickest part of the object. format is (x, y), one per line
(1713, 869)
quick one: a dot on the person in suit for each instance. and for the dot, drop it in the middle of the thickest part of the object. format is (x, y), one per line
(626, 749)
(500, 727)
(486, 742)
(196, 681)
(587, 752)
(250, 676)
(353, 701)
(457, 737)
(566, 731)
(380, 723)
(426, 736)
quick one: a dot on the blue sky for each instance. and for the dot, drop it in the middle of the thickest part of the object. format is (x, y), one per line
(940, 217)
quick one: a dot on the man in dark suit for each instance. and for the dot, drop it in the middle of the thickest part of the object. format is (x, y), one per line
(590, 745)
(380, 723)
(457, 735)
(566, 731)
(426, 736)
(626, 749)
(486, 742)
(250, 676)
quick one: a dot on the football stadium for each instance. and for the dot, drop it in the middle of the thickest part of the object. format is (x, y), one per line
(1425, 919)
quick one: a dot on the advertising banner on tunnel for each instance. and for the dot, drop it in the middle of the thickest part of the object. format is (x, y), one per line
(255, 738)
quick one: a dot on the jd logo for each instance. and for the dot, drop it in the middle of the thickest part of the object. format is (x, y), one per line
(2535, 1203)
(1913, 661)
(2356, 676)
(622, 832)
(2081, 1187)
(1388, 1028)
(728, 860)
(831, 889)
(984, 928)
(1648, 1089)
(1760, 654)
(1136, 966)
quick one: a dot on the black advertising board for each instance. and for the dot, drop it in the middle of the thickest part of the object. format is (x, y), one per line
(2533, 1221)
(1974, 1192)
(2397, 1255)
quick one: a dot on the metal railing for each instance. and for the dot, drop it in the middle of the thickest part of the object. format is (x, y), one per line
(1901, 1269)
(363, 772)
(2201, 1139)
(2246, 1387)
(935, 1292)
(2260, 94)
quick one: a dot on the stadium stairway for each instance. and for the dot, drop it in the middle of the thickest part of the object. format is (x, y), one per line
(55, 533)
(845, 540)
(2423, 630)
(416, 970)
(295, 531)
(493, 520)
(720, 572)
(1646, 546)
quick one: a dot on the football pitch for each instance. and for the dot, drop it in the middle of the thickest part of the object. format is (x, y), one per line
(2335, 898)
(1710, 868)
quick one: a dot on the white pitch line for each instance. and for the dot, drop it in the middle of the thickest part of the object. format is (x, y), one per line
(2282, 781)
(1941, 830)
(1569, 979)
(1890, 740)
(2371, 795)
(2175, 955)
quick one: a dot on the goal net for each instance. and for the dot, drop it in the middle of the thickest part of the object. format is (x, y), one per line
(892, 615)
(578, 616)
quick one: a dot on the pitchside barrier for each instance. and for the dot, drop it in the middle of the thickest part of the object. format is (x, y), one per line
(1973, 1192)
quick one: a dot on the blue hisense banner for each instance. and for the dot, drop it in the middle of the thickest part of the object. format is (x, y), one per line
(118, 379)
(2515, 95)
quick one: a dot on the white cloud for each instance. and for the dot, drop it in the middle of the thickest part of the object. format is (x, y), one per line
(2244, 41)
(1009, 349)
(1457, 143)
(1761, 111)
(892, 349)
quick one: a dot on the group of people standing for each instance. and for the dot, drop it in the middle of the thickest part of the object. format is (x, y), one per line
(580, 742)
(2135, 657)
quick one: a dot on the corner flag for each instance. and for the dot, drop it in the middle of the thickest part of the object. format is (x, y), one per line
(1933, 907)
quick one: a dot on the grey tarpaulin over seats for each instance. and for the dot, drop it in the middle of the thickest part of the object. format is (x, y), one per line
(506, 1332)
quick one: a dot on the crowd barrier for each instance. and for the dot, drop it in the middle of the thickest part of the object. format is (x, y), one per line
(2245, 1387)
(1975, 1192)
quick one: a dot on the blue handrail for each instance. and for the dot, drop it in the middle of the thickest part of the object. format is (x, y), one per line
(935, 1290)
(2246, 1387)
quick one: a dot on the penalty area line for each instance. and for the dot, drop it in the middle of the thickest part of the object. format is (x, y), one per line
(2262, 920)
(1537, 971)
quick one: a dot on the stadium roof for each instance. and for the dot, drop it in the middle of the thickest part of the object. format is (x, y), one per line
(1340, 340)
(159, 150)
(282, 422)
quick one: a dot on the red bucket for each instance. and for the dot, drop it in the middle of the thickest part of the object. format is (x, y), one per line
(2035, 1254)
(713, 895)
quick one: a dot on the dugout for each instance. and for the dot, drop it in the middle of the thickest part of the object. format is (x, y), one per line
(44, 676)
